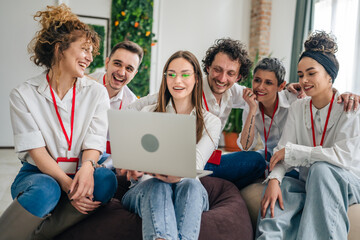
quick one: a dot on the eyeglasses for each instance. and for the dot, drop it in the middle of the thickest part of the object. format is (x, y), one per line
(173, 75)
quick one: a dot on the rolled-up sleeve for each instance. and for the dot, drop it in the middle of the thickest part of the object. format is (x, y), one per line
(26, 132)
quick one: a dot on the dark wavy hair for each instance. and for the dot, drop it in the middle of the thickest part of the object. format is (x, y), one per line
(59, 26)
(320, 41)
(236, 51)
(129, 46)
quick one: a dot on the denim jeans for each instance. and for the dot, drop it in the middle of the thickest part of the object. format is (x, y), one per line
(315, 209)
(169, 211)
(39, 193)
(241, 168)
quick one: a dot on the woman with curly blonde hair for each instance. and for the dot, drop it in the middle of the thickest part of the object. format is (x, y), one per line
(59, 121)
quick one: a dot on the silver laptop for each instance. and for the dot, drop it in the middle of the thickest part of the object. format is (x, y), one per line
(160, 143)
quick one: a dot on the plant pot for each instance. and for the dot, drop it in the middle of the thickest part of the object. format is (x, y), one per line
(230, 141)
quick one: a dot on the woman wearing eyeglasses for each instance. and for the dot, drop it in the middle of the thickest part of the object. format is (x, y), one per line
(171, 207)
(323, 141)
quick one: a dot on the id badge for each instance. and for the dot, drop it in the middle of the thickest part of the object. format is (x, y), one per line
(68, 165)
(215, 157)
(108, 148)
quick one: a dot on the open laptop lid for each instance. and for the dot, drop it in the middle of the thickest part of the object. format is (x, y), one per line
(153, 142)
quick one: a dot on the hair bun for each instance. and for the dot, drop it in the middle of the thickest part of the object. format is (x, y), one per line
(320, 41)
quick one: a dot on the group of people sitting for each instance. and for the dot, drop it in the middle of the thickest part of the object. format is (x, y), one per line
(59, 121)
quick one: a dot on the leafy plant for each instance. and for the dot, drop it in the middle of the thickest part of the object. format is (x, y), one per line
(234, 122)
(99, 59)
(132, 20)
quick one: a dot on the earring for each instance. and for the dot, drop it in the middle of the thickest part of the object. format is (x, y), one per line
(330, 80)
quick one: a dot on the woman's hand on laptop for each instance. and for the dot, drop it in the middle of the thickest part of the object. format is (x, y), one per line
(131, 174)
(167, 178)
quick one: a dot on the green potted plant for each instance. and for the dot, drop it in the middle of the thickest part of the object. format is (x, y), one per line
(234, 123)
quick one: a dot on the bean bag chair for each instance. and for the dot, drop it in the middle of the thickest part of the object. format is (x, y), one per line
(227, 218)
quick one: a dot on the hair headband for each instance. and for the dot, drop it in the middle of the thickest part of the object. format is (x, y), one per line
(324, 60)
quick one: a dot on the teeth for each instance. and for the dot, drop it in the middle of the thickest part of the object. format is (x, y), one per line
(118, 79)
(82, 65)
(220, 84)
(178, 88)
(308, 87)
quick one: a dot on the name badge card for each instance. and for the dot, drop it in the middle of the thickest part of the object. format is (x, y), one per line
(68, 165)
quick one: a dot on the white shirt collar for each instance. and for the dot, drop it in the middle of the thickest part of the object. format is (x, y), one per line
(210, 96)
(336, 111)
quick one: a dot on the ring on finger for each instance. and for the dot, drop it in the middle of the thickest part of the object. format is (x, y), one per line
(351, 98)
(250, 94)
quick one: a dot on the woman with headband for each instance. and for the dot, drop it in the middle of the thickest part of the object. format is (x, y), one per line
(323, 141)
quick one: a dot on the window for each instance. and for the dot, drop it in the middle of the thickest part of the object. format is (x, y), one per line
(341, 18)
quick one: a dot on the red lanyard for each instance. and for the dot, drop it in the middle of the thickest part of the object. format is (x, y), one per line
(326, 122)
(69, 141)
(272, 118)
(206, 106)
(105, 86)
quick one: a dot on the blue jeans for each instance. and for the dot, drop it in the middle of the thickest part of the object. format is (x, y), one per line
(39, 193)
(315, 209)
(169, 211)
(241, 168)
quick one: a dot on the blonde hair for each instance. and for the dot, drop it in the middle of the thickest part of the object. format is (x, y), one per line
(59, 26)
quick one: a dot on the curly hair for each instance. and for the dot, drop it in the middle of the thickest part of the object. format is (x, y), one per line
(320, 41)
(59, 26)
(235, 50)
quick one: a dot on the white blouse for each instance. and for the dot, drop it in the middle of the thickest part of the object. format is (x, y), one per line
(35, 123)
(341, 145)
(285, 100)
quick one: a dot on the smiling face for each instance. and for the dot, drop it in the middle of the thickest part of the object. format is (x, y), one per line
(75, 59)
(121, 68)
(180, 79)
(223, 73)
(265, 86)
(313, 77)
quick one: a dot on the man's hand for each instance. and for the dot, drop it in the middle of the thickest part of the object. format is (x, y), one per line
(351, 101)
(131, 174)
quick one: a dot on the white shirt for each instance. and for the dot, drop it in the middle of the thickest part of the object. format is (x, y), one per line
(125, 95)
(208, 142)
(341, 145)
(35, 123)
(232, 98)
(285, 100)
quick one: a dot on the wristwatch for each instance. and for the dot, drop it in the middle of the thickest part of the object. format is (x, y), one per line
(93, 163)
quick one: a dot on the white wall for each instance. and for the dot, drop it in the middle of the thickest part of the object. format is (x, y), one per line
(194, 26)
(282, 27)
(179, 25)
(17, 28)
